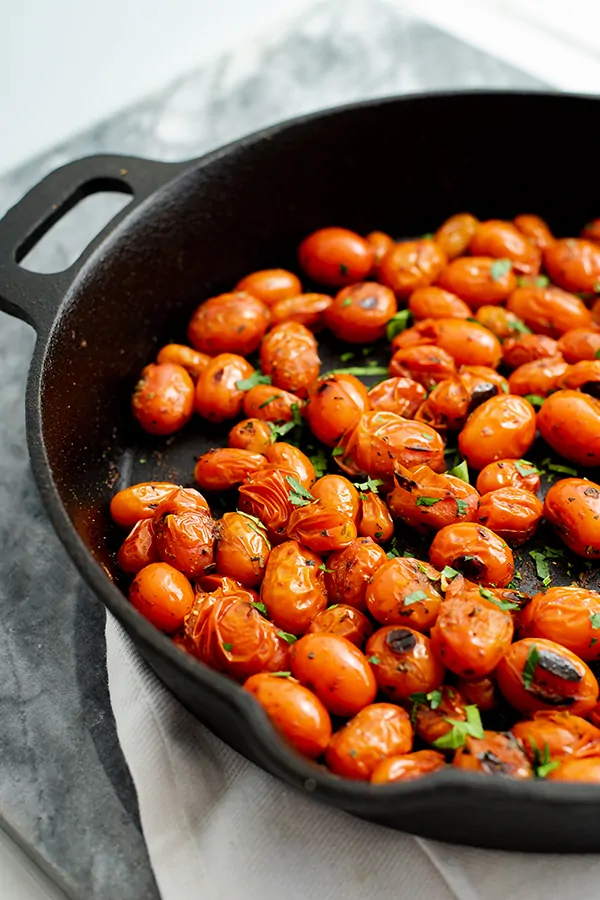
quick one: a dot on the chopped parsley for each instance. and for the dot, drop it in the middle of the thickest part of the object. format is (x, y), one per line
(462, 507)
(298, 496)
(562, 470)
(499, 269)
(538, 281)
(371, 484)
(501, 604)
(530, 666)
(280, 430)
(338, 451)
(433, 698)
(519, 326)
(374, 660)
(346, 357)
(542, 764)
(252, 380)
(427, 501)
(541, 565)
(595, 620)
(597, 354)
(398, 323)
(534, 399)
(525, 468)
(319, 462)
(287, 637)
(324, 568)
(227, 647)
(460, 471)
(361, 370)
(415, 597)
(460, 731)
(347, 301)
(280, 674)
(260, 607)
(448, 573)
(269, 400)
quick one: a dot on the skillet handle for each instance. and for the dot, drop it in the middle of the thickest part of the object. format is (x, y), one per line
(35, 297)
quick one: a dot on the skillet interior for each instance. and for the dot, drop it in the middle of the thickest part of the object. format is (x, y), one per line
(401, 166)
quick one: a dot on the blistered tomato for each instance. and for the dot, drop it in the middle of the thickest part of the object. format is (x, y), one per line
(430, 715)
(139, 501)
(306, 309)
(289, 355)
(163, 595)
(569, 421)
(322, 528)
(191, 360)
(138, 549)
(347, 621)
(493, 754)
(422, 363)
(336, 256)
(338, 492)
(502, 427)
(479, 279)
(475, 551)
(270, 404)
(583, 376)
(186, 540)
(479, 691)
(517, 473)
(250, 434)
(163, 400)
(289, 457)
(573, 264)
(293, 589)
(336, 671)
(404, 662)
(455, 234)
(467, 342)
(375, 520)
(229, 323)
(242, 549)
(540, 377)
(380, 243)
(403, 592)
(471, 635)
(350, 571)
(534, 228)
(516, 351)
(270, 285)
(218, 396)
(266, 495)
(375, 733)
(512, 512)
(408, 767)
(579, 344)
(224, 467)
(427, 501)
(572, 506)
(548, 310)
(410, 265)
(435, 303)
(402, 396)
(499, 320)
(335, 405)
(586, 770)
(360, 312)
(566, 615)
(503, 240)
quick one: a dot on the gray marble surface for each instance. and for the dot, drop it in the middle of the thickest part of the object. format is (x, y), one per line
(65, 790)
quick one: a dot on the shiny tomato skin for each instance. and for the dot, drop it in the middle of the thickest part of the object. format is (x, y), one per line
(336, 256)
(563, 733)
(476, 280)
(139, 501)
(296, 712)
(503, 240)
(163, 595)
(335, 405)
(586, 770)
(180, 500)
(266, 495)
(270, 285)
(223, 467)
(163, 400)
(346, 621)
(422, 363)
(402, 396)
(549, 310)
(336, 671)
(289, 355)
(375, 733)
(500, 321)
(404, 662)
(456, 233)
(191, 360)
(435, 303)
(427, 501)
(138, 549)
(591, 230)
(320, 527)
(572, 506)
(508, 473)
(270, 404)
(338, 492)
(471, 635)
(186, 540)
(217, 396)
(502, 427)
(569, 421)
(251, 434)
(306, 309)
(467, 342)
(583, 376)
(514, 514)
(534, 228)
(490, 560)
(380, 243)
(360, 312)
(573, 264)
(408, 767)
(401, 593)
(287, 456)
(540, 377)
(494, 754)
(410, 265)
(242, 549)
(350, 571)
(526, 348)
(431, 723)
(479, 691)
(578, 344)
(229, 323)
(293, 589)
(375, 519)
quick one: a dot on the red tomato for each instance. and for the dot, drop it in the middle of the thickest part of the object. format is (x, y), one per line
(293, 589)
(336, 671)
(138, 549)
(163, 595)
(402, 592)
(475, 551)
(218, 396)
(270, 285)
(139, 501)
(335, 405)
(375, 733)
(408, 767)
(336, 256)
(360, 312)
(410, 265)
(163, 400)
(229, 323)
(346, 621)
(289, 355)
(404, 662)
(350, 571)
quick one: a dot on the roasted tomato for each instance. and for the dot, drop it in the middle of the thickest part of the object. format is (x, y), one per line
(375, 520)
(251, 434)
(493, 754)
(475, 551)
(540, 377)
(408, 767)
(380, 243)
(479, 691)
(402, 396)
(410, 265)
(499, 320)
(228, 633)
(139, 501)
(138, 549)
(471, 634)
(431, 714)
(336, 256)
(270, 285)
(517, 473)
(536, 230)
(339, 493)
(185, 540)
(573, 264)
(479, 280)
(322, 528)
(586, 770)
(270, 404)
(375, 733)
(163, 399)
(503, 240)
(296, 713)
(479, 380)
(572, 506)
(360, 312)
(350, 571)
(224, 467)
(218, 396)
(427, 501)
(455, 235)
(306, 309)
(517, 351)
(191, 360)
(423, 363)
(242, 549)
(569, 421)
(579, 344)
(266, 495)
(229, 323)
(548, 310)
(467, 342)
(450, 402)
(163, 595)
(562, 733)
(380, 439)
(583, 376)
(287, 456)
(347, 621)
(178, 501)
(402, 592)
(293, 589)
(404, 662)
(208, 584)
(502, 427)
(289, 355)
(336, 670)
(435, 303)
(335, 405)
(591, 230)
(513, 513)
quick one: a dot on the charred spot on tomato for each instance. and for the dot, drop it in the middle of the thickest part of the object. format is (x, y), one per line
(405, 483)
(592, 492)
(481, 393)
(492, 764)
(558, 665)
(592, 388)
(400, 640)
(472, 567)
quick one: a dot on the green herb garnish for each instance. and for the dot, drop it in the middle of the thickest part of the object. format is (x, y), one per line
(562, 470)
(398, 323)
(541, 564)
(499, 268)
(542, 764)
(227, 647)
(269, 400)
(346, 357)
(360, 370)
(252, 380)
(501, 604)
(462, 507)
(427, 501)
(433, 698)
(534, 399)
(459, 732)
(338, 451)
(287, 637)
(415, 597)
(371, 484)
(319, 462)
(460, 471)
(595, 620)
(525, 468)
(260, 607)
(298, 496)
(324, 568)
(374, 660)
(530, 666)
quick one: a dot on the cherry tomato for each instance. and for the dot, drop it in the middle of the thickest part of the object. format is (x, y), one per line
(423, 363)
(336, 256)
(191, 360)
(296, 713)
(335, 405)
(375, 520)
(493, 754)
(208, 584)
(512, 512)
(289, 355)
(408, 767)
(402, 396)
(430, 715)
(375, 733)
(500, 321)
(517, 351)
(434, 303)
(178, 501)
(350, 571)
(579, 344)
(479, 691)
(427, 501)
(251, 434)
(573, 264)
(229, 323)
(322, 528)
(360, 312)
(242, 549)
(271, 285)
(347, 621)
(138, 550)
(410, 265)
(517, 473)
(455, 235)
(139, 501)
(163, 400)
(548, 310)
(536, 230)
(467, 342)
(266, 495)
(336, 671)
(447, 405)
(293, 589)
(404, 662)
(163, 595)
(502, 427)
(339, 493)
(217, 395)
(224, 467)
(583, 376)
(289, 457)
(540, 377)
(565, 615)
(475, 551)
(402, 592)
(306, 309)
(478, 280)
(471, 635)
(380, 243)
(270, 404)
(185, 540)
(591, 230)
(585, 770)
(571, 507)
(503, 240)
(569, 421)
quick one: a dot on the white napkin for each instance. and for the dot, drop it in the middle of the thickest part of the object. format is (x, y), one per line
(220, 828)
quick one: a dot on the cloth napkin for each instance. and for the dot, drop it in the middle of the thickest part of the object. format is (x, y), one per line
(219, 828)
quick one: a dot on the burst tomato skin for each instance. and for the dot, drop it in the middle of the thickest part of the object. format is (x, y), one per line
(217, 396)
(163, 400)
(223, 467)
(336, 671)
(270, 285)
(350, 571)
(573, 264)
(455, 234)
(494, 754)
(502, 427)
(250, 434)
(266, 495)
(408, 767)
(288, 354)
(229, 323)
(427, 501)
(375, 519)
(347, 621)
(410, 265)
(270, 404)
(508, 473)
(476, 280)
(572, 506)
(569, 421)
(335, 405)
(163, 595)
(320, 527)
(242, 549)
(293, 589)
(191, 360)
(563, 733)
(583, 376)
(471, 635)
(360, 312)
(526, 348)
(424, 364)
(289, 457)
(476, 551)
(402, 396)
(402, 592)
(139, 501)
(185, 540)
(376, 732)
(336, 256)
(138, 549)
(479, 691)
(512, 513)
(404, 662)
(431, 724)
(503, 240)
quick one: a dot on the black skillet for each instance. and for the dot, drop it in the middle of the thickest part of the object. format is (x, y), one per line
(192, 230)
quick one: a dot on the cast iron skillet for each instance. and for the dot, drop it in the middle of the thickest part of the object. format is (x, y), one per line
(192, 230)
